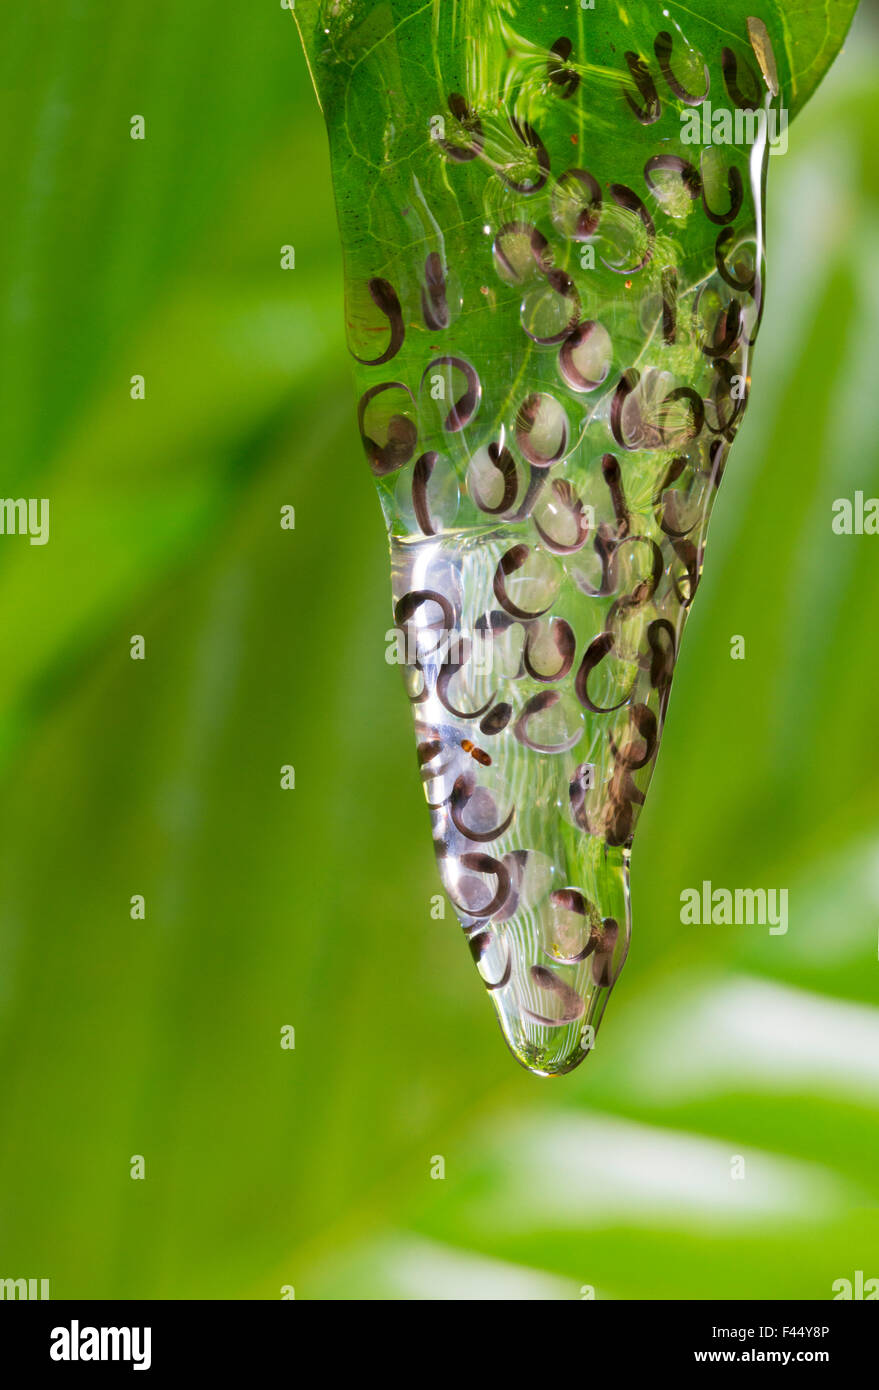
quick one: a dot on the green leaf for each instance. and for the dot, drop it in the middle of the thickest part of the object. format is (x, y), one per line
(312, 1168)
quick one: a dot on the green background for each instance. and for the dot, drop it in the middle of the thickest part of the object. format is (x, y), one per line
(312, 908)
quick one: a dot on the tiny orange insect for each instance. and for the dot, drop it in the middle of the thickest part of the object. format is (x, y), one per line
(478, 754)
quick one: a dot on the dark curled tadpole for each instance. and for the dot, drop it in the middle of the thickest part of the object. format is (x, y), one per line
(697, 411)
(623, 799)
(515, 863)
(727, 331)
(496, 720)
(602, 960)
(408, 605)
(557, 73)
(385, 299)
(539, 247)
(561, 284)
(461, 794)
(599, 648)
(492, 868)
(571, 1006)
(675, 469)
(625, 386)
(509, 563)
(662, 508)
(644, 588)
(470, 124)
(662, 646)
(730, 66)
(603, 546)
(447, 673)
(528, 136)
(577, 789)
(544, 700)
(589, 215)
(717, 456)
(610, 470)
(493, 622)
(503, 461)
(736, 197)
(637, 755)
(691, 558)
(757, 292)
(567, 361)
(467, 404)
(628, 199)
(569, 900)
(428, 750)
(565, 644)
(663, 47)
(480, 945)
(526, 419)
(402, 434)
(434, 309)
(669, 304)
(568, 501)
(536, 483)
(724, 241)
(691, 179)
(650, 109)
(572, 900)
(421, 475)
(727, 386)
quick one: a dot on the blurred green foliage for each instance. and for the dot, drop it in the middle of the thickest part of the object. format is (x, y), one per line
(264, 647)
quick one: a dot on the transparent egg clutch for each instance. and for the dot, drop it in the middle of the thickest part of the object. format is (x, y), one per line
(552, 219)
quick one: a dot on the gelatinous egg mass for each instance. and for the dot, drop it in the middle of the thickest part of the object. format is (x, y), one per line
(552, 224)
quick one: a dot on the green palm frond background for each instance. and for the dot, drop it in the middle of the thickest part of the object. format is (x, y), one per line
(311, 908)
